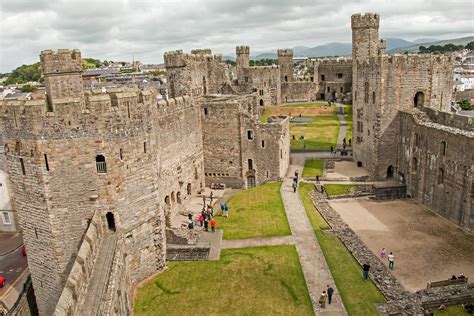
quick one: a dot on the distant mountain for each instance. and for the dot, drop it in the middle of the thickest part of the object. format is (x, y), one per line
(229, 58)
(425, 40)
(415, 48)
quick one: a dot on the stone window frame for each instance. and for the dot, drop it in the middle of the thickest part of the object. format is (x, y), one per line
(339, 75)
(250, 164)
(206, 112)
(442, 148)
(22, 165)
(6, 218)
(250, 135)
(441, 176)
(101, 166)
(263, 143)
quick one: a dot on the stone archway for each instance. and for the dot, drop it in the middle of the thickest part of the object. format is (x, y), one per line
(390, 172)
(419, 99)
(110, 221)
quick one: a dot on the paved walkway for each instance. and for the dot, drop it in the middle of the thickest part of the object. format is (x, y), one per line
(315, 268)
(342, 124)
(256, 242)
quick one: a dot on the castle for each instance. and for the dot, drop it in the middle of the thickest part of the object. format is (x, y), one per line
(98, 170)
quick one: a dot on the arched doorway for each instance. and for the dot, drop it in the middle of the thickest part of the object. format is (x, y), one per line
(110, 221)
(261, 102)
(390, 172)
(286, 78)
(188, 189)
(250, 182)
(419, 99)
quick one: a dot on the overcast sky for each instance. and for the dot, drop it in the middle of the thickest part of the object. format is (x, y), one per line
(120, 29)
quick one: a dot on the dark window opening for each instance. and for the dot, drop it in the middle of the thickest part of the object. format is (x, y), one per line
(366, 92)
(322, 77)
(359, 164)
(373, 97)
(263, 144)
(261, 102)
(46, 162)
(144, 147)
(121, 154)
(339, 76)
(110, 221)
(390, 172)
(36, 233)
(205, 111)
(250, 135)
(22, 164)
(440, 175)
(329, 89)
(100, 164)
(355, 95)
(342, 90)
(128, 109)
(416, 140)
(281, 153)
(323, 96)
(312, 79)
(167, 200)
(414, 165)
(286, 78)
(443, 148)
(419, 99)
(250, 163)
(267, 174)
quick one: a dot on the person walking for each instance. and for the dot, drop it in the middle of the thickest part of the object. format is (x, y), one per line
(365, 271)
(213, 225)
(296, 174)
(391, 260)
(201, 219)
(294, 186)
(206, 224)
(330, 293)
(322, 299)
(226, 209)
(382, 253)
(317, 180)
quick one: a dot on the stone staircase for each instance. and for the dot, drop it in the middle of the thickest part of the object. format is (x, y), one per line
(94, 298)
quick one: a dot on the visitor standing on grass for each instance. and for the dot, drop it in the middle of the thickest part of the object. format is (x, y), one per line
(317, 179)
(365, 272)
(391, 260)
(213, 225)
(330, 293)
(322, 299)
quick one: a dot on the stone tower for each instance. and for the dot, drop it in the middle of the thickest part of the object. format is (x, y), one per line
(285, 61)
(365, 36)
(243, 53)
(62, 76)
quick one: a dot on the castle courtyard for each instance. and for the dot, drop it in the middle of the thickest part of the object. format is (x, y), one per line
(427, 247)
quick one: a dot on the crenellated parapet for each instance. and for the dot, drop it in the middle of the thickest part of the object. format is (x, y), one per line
(60, 61)
(242, 50)
(365, 20)
(286, 52)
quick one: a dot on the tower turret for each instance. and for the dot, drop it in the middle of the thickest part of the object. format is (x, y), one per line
(285, 61)
(365, 36)
(242, 53)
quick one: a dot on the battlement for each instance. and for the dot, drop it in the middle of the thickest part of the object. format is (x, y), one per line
(343, 61)
(410, 60)
(179, 59)
(365, 20)
(60, 61)
(464, 123)
(242, 50)
(287, 52)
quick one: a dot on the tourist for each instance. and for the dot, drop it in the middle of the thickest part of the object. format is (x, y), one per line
(365, 272)
(206, 224)
(211, 196)
(322, 189)
(213, 225)
(382, 253)
(295, 180)
(330, 293)
(222, 209)
(332, 149)
(226, 208)
(350, 140)
(453, 277)
(322, 299)
(190, 216)
(317, 179)
(391, 260)
(201, 219)
(296, 174)
(461, 276)
(295, 185)
(191, 224)
(468, 307)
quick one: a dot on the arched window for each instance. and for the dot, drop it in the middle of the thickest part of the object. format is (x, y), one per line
(419, 99)
(178, 197)
(442, 148)
(100, 164)
(414, 164)
(390, 172)
(110, 221)
(261, 102)
(286, 78)
(167, 200)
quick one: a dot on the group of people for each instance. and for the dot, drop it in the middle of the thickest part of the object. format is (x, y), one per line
(206, 218)
(390, 258)
(326, 296)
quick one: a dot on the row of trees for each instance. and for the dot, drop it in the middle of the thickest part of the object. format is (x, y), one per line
(445, 48)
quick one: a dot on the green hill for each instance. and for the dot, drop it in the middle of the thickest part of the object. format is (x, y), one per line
(416, 48)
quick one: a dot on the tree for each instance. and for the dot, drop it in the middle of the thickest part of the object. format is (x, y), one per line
(470, 45)
(24, 73)
(27, 88)
(466, 105)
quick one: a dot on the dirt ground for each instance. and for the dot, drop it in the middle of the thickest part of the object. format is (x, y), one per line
(427, 247)
(323, 110)
(345, 169)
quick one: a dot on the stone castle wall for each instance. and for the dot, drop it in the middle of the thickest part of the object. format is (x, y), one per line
(335, 79)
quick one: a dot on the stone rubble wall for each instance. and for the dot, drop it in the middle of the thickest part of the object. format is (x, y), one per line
(79, 277)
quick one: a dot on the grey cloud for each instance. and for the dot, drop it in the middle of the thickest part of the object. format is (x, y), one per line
(111, 29)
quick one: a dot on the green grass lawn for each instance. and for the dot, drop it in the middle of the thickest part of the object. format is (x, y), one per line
(358, 296)
(257, 212)
(312, 168)
(339, 189)
(318, 134)
(304, 105)
(264, 117)
(348, 117)
(455, 310)
(247, 281)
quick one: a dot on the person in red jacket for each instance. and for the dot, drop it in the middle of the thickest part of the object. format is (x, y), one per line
(213, 225)
(201, 219)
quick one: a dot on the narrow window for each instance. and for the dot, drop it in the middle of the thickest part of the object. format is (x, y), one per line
(36, 233)
(373, 97)
(205, 111)
(128, 109)
(329, 89)
(342, 90)
(100, 164)
(121, 154)
(322, 77)
(414, 165)
(22, 163)
(46, 162)
(440, 175)
(263, 144)
(250, 163)
(416, 140)
(6, 218)
(250, 135)
(443, 148)
(355, 95)
(281, 153)
(144, 147)
(261, 102)
(366, 92)
(286, 78)
(267, 174)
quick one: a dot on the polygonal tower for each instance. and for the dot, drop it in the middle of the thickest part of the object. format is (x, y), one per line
(62, 76)
(285, 61)
(365, 35)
